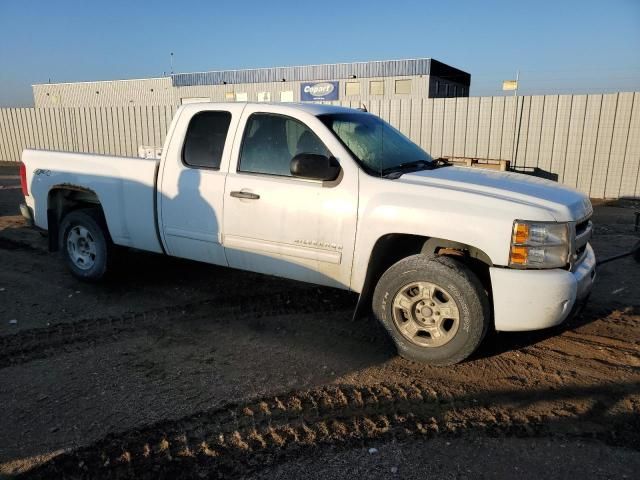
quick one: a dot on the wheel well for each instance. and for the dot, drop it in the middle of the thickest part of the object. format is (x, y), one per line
(393, 247)
(62, 200)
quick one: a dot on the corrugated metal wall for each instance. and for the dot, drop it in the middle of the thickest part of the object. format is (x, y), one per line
(104, 130)
(591, 142)
(329, 71)
(216, 93)
(143, 92)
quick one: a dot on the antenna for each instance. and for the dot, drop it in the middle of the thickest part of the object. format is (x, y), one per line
(171, 55)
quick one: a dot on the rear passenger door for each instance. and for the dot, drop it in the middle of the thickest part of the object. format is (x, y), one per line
(191, 182)
(282, 225)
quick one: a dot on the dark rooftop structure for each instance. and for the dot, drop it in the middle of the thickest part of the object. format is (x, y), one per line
(331, 71)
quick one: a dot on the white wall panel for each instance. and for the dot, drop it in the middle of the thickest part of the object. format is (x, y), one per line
(619, 142)
(561, 136)
(589, 142)
(462, 104)
(630, 183)
(449, 126)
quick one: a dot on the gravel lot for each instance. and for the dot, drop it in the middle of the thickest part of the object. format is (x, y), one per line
(174, 369)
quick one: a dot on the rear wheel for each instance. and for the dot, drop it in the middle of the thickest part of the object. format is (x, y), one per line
(435, 309)
(85, 244)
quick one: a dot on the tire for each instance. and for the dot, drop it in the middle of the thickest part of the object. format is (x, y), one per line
(434, 293)
(89, 259)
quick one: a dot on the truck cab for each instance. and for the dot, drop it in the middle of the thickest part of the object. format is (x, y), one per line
(230, 169)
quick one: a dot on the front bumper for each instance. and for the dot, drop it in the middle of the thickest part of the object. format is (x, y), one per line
(535, 299)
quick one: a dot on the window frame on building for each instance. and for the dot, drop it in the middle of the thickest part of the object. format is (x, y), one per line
(354, 85)
(403, 81)
(264, 97)
(288, 93)
(379, 83)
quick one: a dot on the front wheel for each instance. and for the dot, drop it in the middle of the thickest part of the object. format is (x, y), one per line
(85, 244)
(435, 309)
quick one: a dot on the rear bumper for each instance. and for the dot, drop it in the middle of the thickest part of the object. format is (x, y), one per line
(536, 299)
(27, 213)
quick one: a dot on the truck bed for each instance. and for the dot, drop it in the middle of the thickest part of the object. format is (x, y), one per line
(124, 186)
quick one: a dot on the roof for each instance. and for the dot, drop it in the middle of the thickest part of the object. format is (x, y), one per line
(311, 108)
(318, 108)
(101, 81)
(330, 71)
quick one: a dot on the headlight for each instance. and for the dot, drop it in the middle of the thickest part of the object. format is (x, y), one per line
(539, 245)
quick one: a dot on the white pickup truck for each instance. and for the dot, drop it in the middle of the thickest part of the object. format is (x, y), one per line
(336, 197)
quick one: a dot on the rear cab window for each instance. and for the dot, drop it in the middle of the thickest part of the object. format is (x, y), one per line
(205, 139)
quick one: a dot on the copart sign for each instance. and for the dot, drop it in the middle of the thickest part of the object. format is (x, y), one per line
(319, 91)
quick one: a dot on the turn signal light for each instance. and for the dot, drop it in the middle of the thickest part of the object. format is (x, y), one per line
(519, 255)
(521, 233)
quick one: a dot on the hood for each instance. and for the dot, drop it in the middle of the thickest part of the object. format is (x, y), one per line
(562, 202)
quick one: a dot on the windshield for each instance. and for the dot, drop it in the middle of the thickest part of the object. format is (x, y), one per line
(375, 144)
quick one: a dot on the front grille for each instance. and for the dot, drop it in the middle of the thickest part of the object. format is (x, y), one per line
(582, 227)
(583, 232)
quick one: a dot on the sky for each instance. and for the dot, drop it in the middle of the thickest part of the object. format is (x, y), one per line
(561, 46)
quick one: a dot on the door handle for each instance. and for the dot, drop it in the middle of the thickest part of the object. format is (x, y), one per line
(247, 195)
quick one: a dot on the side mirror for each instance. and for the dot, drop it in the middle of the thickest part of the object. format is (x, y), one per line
(314, 167)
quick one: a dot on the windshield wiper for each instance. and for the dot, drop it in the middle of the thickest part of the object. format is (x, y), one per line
(397, 170)
(442, 162)
(406, 165)
(402, 167)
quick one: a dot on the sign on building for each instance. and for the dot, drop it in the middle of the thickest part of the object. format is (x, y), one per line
(510, 85)
(319, 91)
(264, 96)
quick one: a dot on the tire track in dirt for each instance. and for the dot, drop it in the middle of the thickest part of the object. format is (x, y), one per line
(239, 438)
(601, 341)
(600, 348)
(38, 343)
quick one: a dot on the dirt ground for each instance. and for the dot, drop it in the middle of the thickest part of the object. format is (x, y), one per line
(174, 369)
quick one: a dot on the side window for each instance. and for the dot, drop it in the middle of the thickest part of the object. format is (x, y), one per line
(271, 141)
(204, 141)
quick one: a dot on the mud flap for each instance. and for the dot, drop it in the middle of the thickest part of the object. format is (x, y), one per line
(363, 307)
(52, 226)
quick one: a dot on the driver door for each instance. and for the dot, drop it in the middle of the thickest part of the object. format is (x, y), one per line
(277, 224)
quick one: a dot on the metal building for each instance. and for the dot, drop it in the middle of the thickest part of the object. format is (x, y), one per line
(358, 82)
